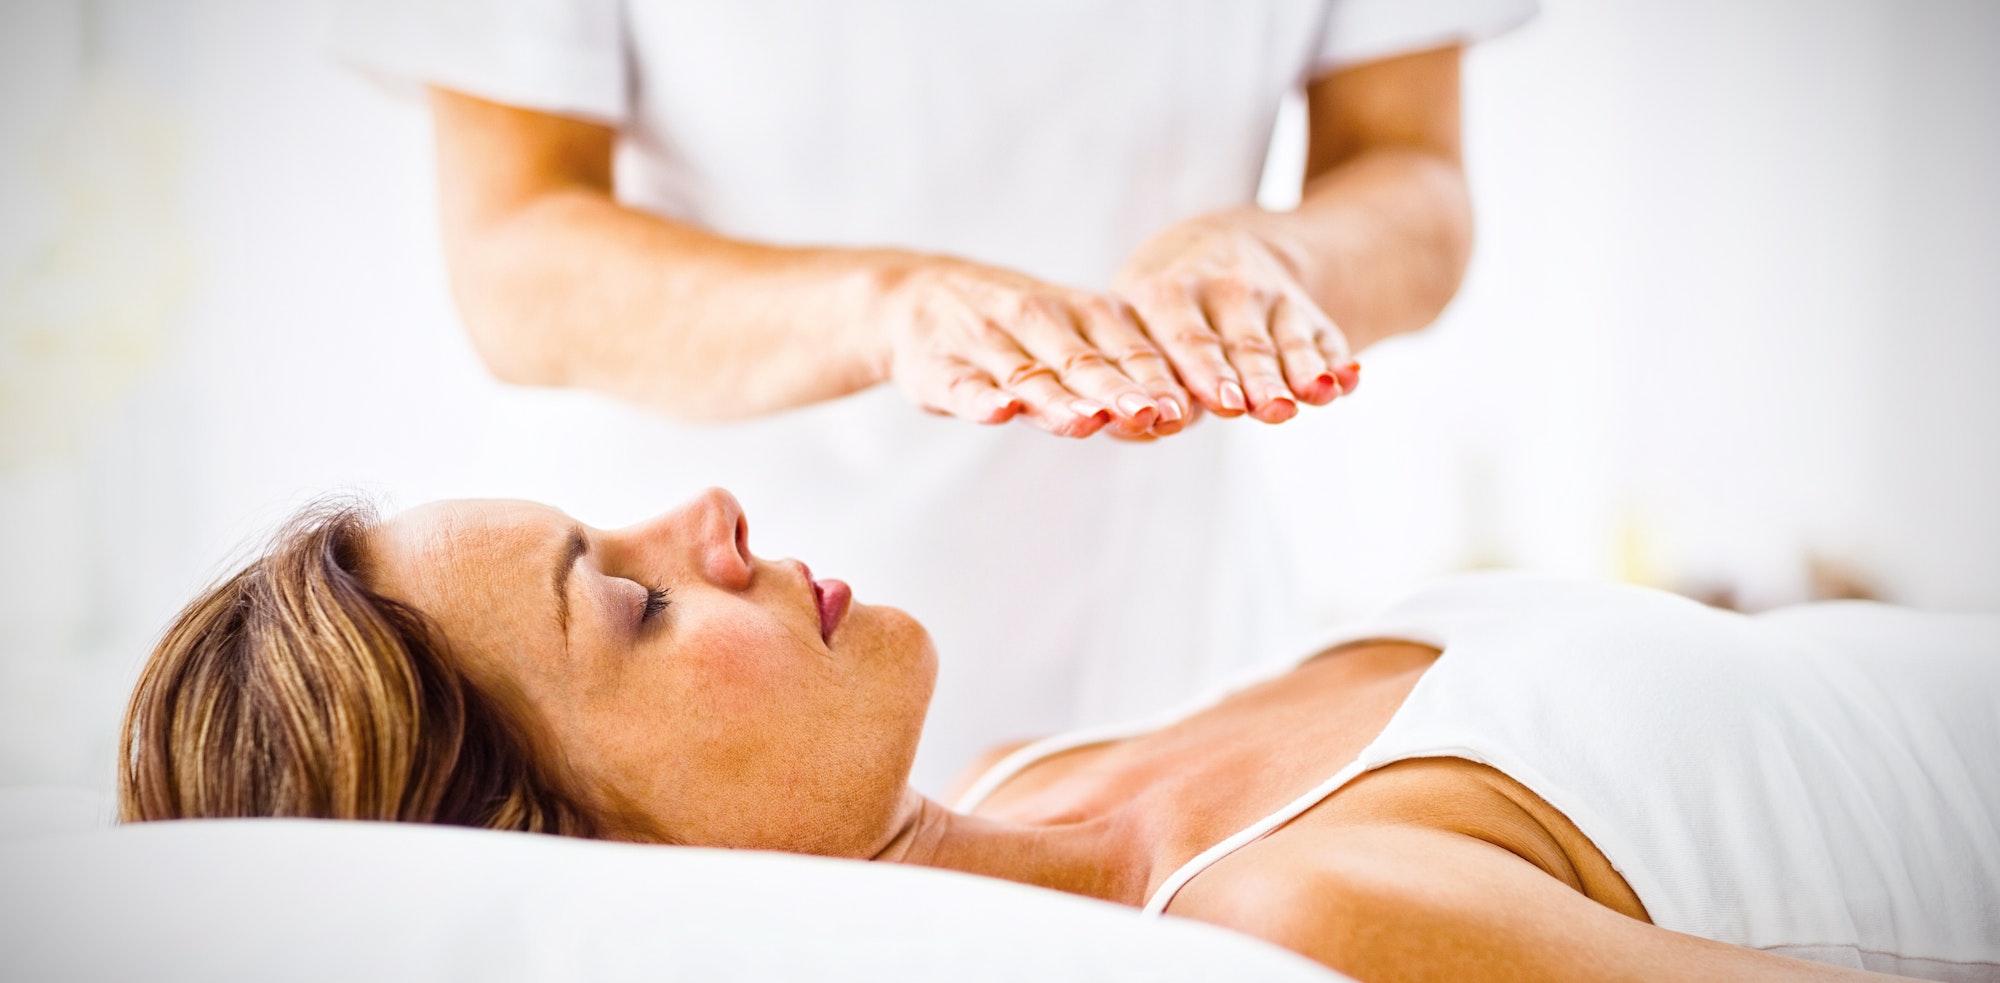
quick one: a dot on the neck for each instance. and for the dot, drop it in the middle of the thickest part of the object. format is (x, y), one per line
(1100, 858)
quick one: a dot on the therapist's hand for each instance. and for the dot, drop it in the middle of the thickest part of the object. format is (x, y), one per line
(1227, 309)
(987, 344)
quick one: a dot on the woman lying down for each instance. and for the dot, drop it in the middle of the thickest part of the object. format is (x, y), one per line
(1498, 778)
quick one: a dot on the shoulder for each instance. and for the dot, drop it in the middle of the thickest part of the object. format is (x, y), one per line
(1293, 890)
(1356, 898)
(1400, 901)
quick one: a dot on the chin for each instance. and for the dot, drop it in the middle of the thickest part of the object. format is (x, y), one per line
(901, 664)
(896, 638)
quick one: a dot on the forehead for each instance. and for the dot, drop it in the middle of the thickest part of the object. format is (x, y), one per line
(438, 551)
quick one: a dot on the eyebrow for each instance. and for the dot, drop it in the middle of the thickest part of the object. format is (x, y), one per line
(573, 548)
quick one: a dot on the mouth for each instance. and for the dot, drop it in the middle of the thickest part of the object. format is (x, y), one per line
(832, 598)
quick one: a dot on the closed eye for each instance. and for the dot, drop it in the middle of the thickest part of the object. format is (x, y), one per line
(656, 602)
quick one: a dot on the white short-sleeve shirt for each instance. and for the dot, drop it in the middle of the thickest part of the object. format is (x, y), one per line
(1064, 582)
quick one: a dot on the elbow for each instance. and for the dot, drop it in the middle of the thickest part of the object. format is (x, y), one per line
(1453, 238)
(502, 352)
(1447, 273)
(1433, 285)
(496, 314)
(1447, 253)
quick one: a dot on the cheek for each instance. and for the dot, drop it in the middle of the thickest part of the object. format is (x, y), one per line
(708, 707)
(743, 665)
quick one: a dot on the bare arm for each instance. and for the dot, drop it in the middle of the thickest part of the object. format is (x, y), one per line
(561, 285)
(1384, 231)
(1377, 246)
(1405, 903)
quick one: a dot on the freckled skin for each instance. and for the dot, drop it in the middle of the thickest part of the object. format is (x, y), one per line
(724, 720)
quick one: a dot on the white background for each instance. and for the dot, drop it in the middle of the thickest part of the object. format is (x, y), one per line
(1735, 306)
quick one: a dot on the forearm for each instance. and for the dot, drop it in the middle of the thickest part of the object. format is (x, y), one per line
(570, 288)
(1380, 242)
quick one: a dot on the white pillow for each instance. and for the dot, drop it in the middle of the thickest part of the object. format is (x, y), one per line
(267, 899)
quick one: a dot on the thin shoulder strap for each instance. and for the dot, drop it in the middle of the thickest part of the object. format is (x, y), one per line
(1048, 747)
(1024, 757)
(1164, 895)
(1402, 628)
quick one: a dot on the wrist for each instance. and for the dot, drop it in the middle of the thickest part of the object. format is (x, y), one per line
(873, 290)
(1301, 246)
(1278, 235)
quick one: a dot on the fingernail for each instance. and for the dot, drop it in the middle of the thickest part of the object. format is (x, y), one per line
(1351, 373)
(1280, 409)
(1134, 404)
(1328, 383)
(1088, 408)
(1230, 395)
(1170, 409)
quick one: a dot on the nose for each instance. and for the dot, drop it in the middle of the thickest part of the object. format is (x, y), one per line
(708, 532)
(724, 538)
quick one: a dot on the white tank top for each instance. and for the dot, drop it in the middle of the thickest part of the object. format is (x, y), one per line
(1821, 781)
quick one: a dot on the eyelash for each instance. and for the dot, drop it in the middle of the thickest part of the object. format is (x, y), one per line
(656, 602)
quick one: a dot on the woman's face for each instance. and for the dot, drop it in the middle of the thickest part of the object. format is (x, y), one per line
(691, 687)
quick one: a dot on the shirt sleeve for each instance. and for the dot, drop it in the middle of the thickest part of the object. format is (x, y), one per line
(1360, 31)
(565, 57)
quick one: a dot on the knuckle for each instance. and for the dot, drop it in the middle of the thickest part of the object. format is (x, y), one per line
(1163, 291)
(960, 378)
(1038, 307)
(1085, 359)
(1229, 291)
(1026, 373)
(1193, 289)
(1096, 308)
(989, 333)
(1112, 312)
(1250, 345)
(1295, 345)
(1136, 353)
(1189, 336)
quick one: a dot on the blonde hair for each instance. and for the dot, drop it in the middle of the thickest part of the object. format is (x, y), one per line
(292, 689)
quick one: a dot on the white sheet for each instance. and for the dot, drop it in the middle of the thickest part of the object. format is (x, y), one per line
(315, 900)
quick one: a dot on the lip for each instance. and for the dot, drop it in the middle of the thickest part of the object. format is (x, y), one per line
(832, 598)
